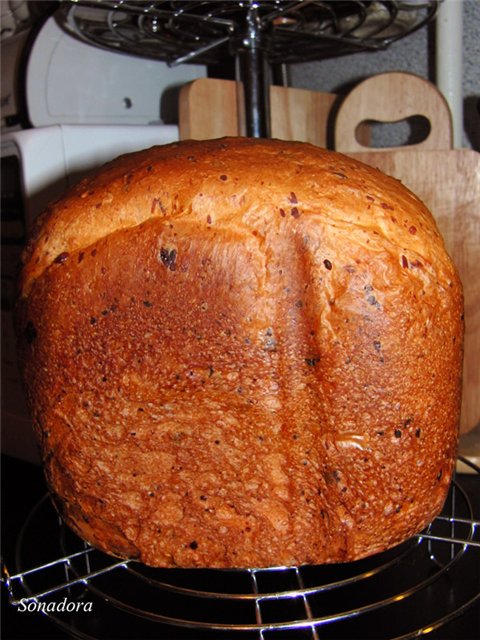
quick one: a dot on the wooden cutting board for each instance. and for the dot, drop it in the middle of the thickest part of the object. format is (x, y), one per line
(446, 179)
(211, 108)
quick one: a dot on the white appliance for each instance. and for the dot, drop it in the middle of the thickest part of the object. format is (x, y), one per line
(58, 79)
(37, 166)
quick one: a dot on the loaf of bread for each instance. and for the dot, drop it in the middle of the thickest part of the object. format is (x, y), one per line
(242, 353)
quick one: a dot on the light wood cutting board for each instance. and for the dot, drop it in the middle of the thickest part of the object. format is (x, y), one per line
(211, 108)
(446, 179)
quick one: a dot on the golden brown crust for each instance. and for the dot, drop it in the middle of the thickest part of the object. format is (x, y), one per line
(242, 353)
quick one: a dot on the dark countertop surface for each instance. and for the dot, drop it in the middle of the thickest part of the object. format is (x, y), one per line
(23, 486)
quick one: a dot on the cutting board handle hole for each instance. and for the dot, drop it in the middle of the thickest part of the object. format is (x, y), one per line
(402, 133)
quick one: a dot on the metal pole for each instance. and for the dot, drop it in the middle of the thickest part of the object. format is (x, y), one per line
(254, 75)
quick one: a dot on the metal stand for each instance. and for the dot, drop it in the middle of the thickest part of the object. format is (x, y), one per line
(254, 76)
(258, 33)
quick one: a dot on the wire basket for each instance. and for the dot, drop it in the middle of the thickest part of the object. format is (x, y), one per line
(258, 33)
(408, 591)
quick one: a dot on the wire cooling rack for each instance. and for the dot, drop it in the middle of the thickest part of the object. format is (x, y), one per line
(208, 32)
(407, 592)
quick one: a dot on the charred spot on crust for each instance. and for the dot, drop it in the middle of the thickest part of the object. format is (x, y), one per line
(62, 257)
(168, 258)
(269, 341)
(292, 198)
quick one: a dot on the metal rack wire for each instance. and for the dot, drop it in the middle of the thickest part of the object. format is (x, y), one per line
(205, 32)
(417, 588)
(257, 33)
